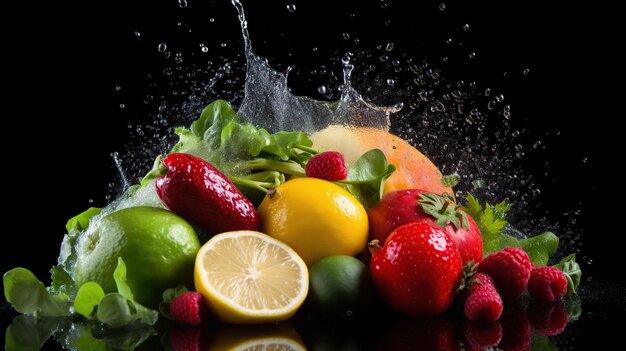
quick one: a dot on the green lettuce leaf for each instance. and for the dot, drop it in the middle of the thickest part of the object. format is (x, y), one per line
(28, 295)
(367, 176)
(87, 299)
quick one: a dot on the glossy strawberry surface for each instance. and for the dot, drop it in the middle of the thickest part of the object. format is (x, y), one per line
(418, 269)
(200, 193)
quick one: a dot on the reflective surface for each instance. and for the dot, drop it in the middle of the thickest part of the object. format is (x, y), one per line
(64, 79)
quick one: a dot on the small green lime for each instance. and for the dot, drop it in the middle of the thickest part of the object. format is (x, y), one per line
(340, 283)
(158, 247)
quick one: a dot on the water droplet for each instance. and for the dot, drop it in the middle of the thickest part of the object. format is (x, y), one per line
(182, 3)
(515, 134)
(590, 261)
(439, 107)
(442, 6)
(291, 7)
(585, 160)
(345, 60)
(391, 82)
(118, 88)
(387, 22)
(487, 91)
(162, 47)
(122, 105)
(322, 89)
(137, 34)
(472, 55)
(526, 71)
(537, 144)
(395, 62)
(466, 27)
(223, 45)
(499, 98)
(211, 19)
(204, 49)
(449, 41)
(491, 104)
(384, 58)
(346, 36)
(389, 47)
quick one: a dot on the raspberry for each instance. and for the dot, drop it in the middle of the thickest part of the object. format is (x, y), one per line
(185, 339)
(188, 308)
(547, 284)
(547, 318)
(483, 300)
(510, 269)
(482, 334)
(329, 165)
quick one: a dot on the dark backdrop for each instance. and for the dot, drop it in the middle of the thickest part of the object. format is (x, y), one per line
(62, 115)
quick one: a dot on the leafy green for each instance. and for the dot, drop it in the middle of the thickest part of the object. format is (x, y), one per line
(572, 271)
(256, 160)
(366, 178)
(491, 221)
(81, 221)
(28, 295)
(168, 296)
(88, 298)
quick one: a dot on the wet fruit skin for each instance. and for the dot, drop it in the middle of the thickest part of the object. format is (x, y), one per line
(200, 193)
(158, 247)
(418, 270)
(339, 283)
(414, 170)
(401, 207)
(316, 218)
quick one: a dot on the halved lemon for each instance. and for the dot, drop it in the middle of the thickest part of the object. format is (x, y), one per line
(248, 277)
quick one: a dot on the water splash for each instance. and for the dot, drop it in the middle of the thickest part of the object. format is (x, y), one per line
(269, 103)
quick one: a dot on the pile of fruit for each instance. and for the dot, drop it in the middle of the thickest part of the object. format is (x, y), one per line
(246, 225)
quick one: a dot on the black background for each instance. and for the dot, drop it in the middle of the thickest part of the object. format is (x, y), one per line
(63, 118)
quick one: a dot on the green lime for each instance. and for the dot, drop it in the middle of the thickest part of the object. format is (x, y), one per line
(158, 247)
(339, 283)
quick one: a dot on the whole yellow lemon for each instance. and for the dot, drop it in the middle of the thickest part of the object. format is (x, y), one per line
(316, 218)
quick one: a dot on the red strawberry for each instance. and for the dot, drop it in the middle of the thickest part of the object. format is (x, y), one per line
(413, 205)
(510, 269)
(547, 283)
(483, 300)
(418, 269)
(185, 339)
(200, 193)
(481, 334)
(188, 308)
(329, 165)
(547, 318)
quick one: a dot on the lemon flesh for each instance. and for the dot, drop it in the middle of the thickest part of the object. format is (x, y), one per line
(248, 277)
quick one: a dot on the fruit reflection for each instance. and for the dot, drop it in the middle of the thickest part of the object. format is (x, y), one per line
(376, 329)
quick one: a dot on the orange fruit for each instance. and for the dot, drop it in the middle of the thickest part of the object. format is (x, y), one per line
(413, 169)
